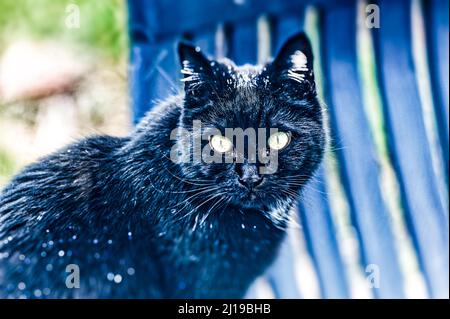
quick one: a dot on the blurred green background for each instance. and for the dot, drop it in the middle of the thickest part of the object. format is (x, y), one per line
(59, 81)
(102, 24)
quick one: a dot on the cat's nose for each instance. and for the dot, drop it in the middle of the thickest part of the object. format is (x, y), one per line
(248, 175)
(251, 182)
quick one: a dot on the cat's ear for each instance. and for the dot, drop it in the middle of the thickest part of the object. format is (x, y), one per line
(295, 54)
(292, 68)
(196, 70)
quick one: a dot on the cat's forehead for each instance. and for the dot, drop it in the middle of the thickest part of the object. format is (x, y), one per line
(247, 104)
(243, 76)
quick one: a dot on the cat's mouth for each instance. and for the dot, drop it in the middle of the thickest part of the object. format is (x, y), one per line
(250, 199)
(251, 195)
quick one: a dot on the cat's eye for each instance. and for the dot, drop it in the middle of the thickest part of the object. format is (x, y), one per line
(279, 140)
(220, 143)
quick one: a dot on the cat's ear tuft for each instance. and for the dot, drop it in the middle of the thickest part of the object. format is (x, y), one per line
(296, 52)
(198, 76)
(295, 59)
(193, 62)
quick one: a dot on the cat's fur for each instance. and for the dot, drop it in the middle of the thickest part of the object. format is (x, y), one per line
(119, 206)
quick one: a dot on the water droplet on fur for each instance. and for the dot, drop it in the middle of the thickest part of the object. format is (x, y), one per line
(21, 286)
(110, 241)
(243, 226)
(4, 255)
(61, 253)
(110, 276)
(37, 293)
(49, 267)
(95, 241)
(130, 271)
(117, 279)
(193, 258)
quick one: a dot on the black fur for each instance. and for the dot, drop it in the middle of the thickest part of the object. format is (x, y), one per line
(121, 206)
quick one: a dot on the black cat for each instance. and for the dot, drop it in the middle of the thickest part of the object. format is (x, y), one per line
(141, 217)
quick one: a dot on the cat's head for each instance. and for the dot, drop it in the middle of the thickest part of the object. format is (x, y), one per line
(254, 132)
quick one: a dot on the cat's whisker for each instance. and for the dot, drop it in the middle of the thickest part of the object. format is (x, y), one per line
(221, 199)
(290, 192)
(189, 201)
(207, 200)
(191, 181)
(177, 192)
(210, 182)
(202, 192)
(304, 181)
(190, 190)
(312, 188)
(197, 208)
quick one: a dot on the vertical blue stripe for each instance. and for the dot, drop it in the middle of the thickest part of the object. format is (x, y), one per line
(437, 12)
(356, 151)
(243, 42)
(424, 213)
(321, 238)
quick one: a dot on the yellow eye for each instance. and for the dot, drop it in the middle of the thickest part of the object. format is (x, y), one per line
(220, 143)
(279, 140)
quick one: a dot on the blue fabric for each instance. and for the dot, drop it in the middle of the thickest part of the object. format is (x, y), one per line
(424, 211)
(356, 150)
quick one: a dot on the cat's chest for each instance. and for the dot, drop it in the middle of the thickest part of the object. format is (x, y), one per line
(224, 253)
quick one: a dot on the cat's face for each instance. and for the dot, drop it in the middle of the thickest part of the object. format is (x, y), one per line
(262, 125)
